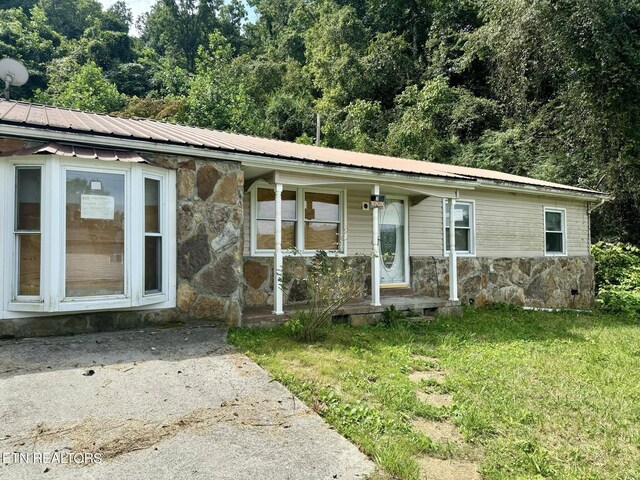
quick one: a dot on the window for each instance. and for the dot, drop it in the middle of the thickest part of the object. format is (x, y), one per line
(464, 224)
(554, 231)
(95, 236)
(266, 219)
(311, 220)
(87, 235)
(152, 237)
(321, 221)
(27, 231)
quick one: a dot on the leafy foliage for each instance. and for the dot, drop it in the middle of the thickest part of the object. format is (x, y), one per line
(617, 270)
(87, 89)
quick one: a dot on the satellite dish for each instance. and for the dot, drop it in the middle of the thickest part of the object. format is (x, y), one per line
(13, 73)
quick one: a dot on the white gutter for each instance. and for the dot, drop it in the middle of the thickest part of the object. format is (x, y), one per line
(255, 160)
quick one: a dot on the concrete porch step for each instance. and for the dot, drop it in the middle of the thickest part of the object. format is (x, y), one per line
(358, 311)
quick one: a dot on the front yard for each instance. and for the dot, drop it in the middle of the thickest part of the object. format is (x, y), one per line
(512, 393)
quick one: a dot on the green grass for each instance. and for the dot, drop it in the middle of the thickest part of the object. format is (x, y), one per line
(536, 394)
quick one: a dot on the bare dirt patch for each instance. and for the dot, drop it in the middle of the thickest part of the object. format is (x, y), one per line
(439, 431)
(438, 469)
(436, 399)
(435, 376)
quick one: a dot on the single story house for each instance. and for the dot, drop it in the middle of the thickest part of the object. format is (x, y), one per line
(110, 222)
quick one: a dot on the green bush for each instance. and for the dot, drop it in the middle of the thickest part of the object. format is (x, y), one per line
(617, 272)
(331, 282)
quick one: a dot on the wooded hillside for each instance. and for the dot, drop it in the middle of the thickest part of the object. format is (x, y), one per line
(549, 89)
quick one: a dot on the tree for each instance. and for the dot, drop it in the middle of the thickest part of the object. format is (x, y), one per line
(30, 40)
(86, 89)
(178, 28)
(70, 18)
(217, 98)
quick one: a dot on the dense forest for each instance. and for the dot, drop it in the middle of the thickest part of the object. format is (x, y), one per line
(546, 88)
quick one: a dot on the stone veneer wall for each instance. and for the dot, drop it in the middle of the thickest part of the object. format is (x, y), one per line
(209, 255)
(543, 282)
(547, 282)
(258, 279)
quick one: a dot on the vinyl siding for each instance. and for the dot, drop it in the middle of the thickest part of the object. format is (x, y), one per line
(507, 224)
(358, 224)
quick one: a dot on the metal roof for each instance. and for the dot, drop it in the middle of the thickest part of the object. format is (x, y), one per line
(74, 121)
(79, 152)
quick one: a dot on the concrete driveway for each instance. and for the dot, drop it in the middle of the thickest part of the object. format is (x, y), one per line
(157, 404)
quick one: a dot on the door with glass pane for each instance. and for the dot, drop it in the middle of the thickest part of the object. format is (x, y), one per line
(393, 253)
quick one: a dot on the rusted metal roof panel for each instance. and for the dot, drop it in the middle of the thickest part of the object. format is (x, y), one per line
(79, 152)
(55, 118)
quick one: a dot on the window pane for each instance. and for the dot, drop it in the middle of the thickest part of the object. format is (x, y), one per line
(152, 264)
(553, 221)
(95, 234)
(151, 205)
(321, 236)
(322, 206)
(28, 198)
(29, 264)
(462, 214)
(554, 242)
(267, 204)
(463, 240)
(266, 235)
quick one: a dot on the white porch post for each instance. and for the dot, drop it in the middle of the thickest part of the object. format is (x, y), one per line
(453, 261)
(278, 294)
(375, 259)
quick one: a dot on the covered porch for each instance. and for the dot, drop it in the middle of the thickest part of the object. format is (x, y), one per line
(361, 223)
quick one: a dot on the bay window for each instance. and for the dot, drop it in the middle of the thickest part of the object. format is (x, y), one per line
(87, 235)
(464, 224)
(311, 220)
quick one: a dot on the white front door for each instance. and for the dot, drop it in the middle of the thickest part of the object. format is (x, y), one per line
(393, 259)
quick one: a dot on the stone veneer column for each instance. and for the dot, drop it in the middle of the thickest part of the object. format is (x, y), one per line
(209, 236)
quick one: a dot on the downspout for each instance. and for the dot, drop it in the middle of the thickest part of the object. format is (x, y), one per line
(597, 205)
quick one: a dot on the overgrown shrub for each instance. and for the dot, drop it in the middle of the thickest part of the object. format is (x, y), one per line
(617, 272)
(330, 283)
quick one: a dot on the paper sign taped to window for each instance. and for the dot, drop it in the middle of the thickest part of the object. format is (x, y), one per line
(458, 215)
(100, 207)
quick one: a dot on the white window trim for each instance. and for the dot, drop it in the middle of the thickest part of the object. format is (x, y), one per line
(472, 228)
(300, 220)
(53, 218)
(563, 212)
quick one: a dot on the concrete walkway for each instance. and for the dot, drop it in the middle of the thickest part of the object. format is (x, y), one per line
(158, 404)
